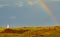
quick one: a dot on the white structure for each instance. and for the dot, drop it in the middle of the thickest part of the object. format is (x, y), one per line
(8, 26)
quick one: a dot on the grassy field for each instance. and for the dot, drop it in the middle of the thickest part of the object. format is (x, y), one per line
(52, 31)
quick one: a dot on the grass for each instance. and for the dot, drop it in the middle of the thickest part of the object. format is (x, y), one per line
(53, 31)
(9, 35)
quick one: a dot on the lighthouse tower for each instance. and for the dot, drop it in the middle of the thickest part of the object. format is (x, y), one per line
(8, 26)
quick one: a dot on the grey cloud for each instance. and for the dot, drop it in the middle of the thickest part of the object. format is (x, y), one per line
(9, 2)
(13, 2)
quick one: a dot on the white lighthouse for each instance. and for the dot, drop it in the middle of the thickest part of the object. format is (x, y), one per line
(8, 26)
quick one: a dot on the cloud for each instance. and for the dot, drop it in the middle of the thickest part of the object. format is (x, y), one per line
(17, 3)
(32, 2)
(54, 0)
(3, 5)
(12, 17)
(20, 4)
(8, 3)
(27, 2)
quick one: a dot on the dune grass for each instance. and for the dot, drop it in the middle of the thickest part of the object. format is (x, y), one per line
(51, 31)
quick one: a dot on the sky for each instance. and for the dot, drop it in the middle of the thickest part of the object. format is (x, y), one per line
(18, 13)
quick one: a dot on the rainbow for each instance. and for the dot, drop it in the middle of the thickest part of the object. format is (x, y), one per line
(46, 8)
